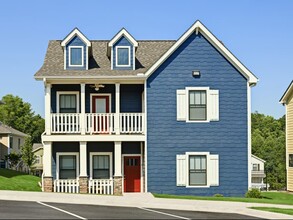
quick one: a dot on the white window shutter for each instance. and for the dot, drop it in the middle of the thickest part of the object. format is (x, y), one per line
(181, 105)
(214, 170)
(181, 170)
(213, 105)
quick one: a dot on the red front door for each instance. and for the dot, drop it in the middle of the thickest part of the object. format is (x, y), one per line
(100, 104)
(132, 174)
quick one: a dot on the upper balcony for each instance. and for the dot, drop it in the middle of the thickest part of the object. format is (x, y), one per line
(93, 109)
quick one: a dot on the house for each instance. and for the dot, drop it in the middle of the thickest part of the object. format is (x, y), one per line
(37, 167)
(11, 140)
(161, 116)
(287, 100)
(258, 173)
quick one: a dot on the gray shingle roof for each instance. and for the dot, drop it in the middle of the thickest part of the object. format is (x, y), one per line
(147, 53)
(4, 129)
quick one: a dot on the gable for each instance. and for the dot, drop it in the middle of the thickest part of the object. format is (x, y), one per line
(78, 44)
(123, 44)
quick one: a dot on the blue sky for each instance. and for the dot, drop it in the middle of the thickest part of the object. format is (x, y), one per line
(259, 33)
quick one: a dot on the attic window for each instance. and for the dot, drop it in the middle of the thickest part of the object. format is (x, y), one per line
(76, 56)
(123, 56)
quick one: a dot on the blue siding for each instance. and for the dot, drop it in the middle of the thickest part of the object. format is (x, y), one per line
(168, 137)
(76, 41)
(131, 98)
(122, 42)
(131, 148)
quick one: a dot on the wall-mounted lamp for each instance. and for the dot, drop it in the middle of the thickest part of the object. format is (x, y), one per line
(196, 73)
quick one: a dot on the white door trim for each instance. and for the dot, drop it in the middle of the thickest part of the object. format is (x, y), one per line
(100, 94)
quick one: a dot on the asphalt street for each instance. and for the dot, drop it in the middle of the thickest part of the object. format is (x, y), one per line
(41, 210)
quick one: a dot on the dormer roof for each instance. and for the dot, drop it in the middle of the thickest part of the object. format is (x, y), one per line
(121, 33)
(75, 32)
(287, 93)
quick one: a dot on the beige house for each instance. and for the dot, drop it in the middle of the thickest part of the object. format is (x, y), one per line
(11, 140)
(287, 100)
(37, 168)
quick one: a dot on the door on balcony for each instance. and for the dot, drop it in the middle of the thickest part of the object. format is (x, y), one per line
(132, 174)
(101, 120)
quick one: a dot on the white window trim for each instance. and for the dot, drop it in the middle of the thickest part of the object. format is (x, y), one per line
(100, 94)
(129, 61)
(187, 89)
(207, 154)
(67, 93)
(101, 153)
(69, 56)
(58, 154)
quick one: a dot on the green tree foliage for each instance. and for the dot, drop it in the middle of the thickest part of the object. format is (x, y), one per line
(19, 115)
(13, 158)
(27, 154)
(268, 143)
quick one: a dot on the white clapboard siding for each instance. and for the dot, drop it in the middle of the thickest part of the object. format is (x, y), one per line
(213, 107)
(181, 104)
(214, 170)
(181, 170)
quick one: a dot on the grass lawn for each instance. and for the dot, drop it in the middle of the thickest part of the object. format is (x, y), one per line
(268, 197)
(272, 209)
(13, 180)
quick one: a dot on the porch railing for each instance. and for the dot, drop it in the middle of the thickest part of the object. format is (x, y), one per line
(101, 186)
(131, 123)
(66, 186)
(65, 123)
(100, 123)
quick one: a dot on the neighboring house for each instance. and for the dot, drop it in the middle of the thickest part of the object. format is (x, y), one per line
(11, 140)
(161, 116)
(287, 100)
(37, 167)
(257, 172)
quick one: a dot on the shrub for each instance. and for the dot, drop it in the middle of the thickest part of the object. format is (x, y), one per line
(218, 195)
(253, 193)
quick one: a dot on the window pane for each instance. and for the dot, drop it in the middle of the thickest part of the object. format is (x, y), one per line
(197, 113)
(101, 162)
(197, 179)
(68, 162)
(75, 56)
(67, 103)
(67, 174)
(123, 56)
(101, 174)
(290, 160)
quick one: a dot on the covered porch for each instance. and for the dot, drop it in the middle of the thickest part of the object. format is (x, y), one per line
(94, 167)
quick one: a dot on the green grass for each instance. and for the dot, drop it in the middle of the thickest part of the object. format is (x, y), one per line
(272, 209)
(13, 180)
(268, 197)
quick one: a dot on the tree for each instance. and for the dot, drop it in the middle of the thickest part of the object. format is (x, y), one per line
(19, 115)
(268, 143)
(13, 159)
(27, 154)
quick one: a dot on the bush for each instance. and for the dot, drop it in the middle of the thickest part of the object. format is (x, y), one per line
(218, 195)
(253, 193)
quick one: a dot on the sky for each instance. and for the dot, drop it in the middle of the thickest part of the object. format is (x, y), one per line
(259, 33)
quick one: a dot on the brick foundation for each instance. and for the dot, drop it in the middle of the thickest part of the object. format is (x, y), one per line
(83, 184)
(118, 185)
(48, 184)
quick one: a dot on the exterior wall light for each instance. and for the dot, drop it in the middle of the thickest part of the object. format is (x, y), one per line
(196, 73)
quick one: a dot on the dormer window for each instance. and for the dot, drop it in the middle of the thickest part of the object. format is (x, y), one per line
(123, 56)
(76, 56)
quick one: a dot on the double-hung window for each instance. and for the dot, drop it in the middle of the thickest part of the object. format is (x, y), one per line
(67, 166)
(122, 56)
(101, 165)
(76, 56)
(290, 160)
(68, 102)
(197, 170)
(197, 105)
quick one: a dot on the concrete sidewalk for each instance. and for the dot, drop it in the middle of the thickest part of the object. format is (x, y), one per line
(146, 200)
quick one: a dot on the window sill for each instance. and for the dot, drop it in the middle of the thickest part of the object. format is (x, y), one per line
(198, 186)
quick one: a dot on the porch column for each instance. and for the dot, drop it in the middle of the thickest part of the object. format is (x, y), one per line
(82, 109)
(47, 167)
(117, 108)
(48, 109)
(117, 170)
(83, 177)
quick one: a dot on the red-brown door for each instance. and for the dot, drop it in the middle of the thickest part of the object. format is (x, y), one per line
(100, 104)
(132, 174)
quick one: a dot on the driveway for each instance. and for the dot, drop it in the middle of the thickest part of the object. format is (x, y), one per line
(41, 210)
